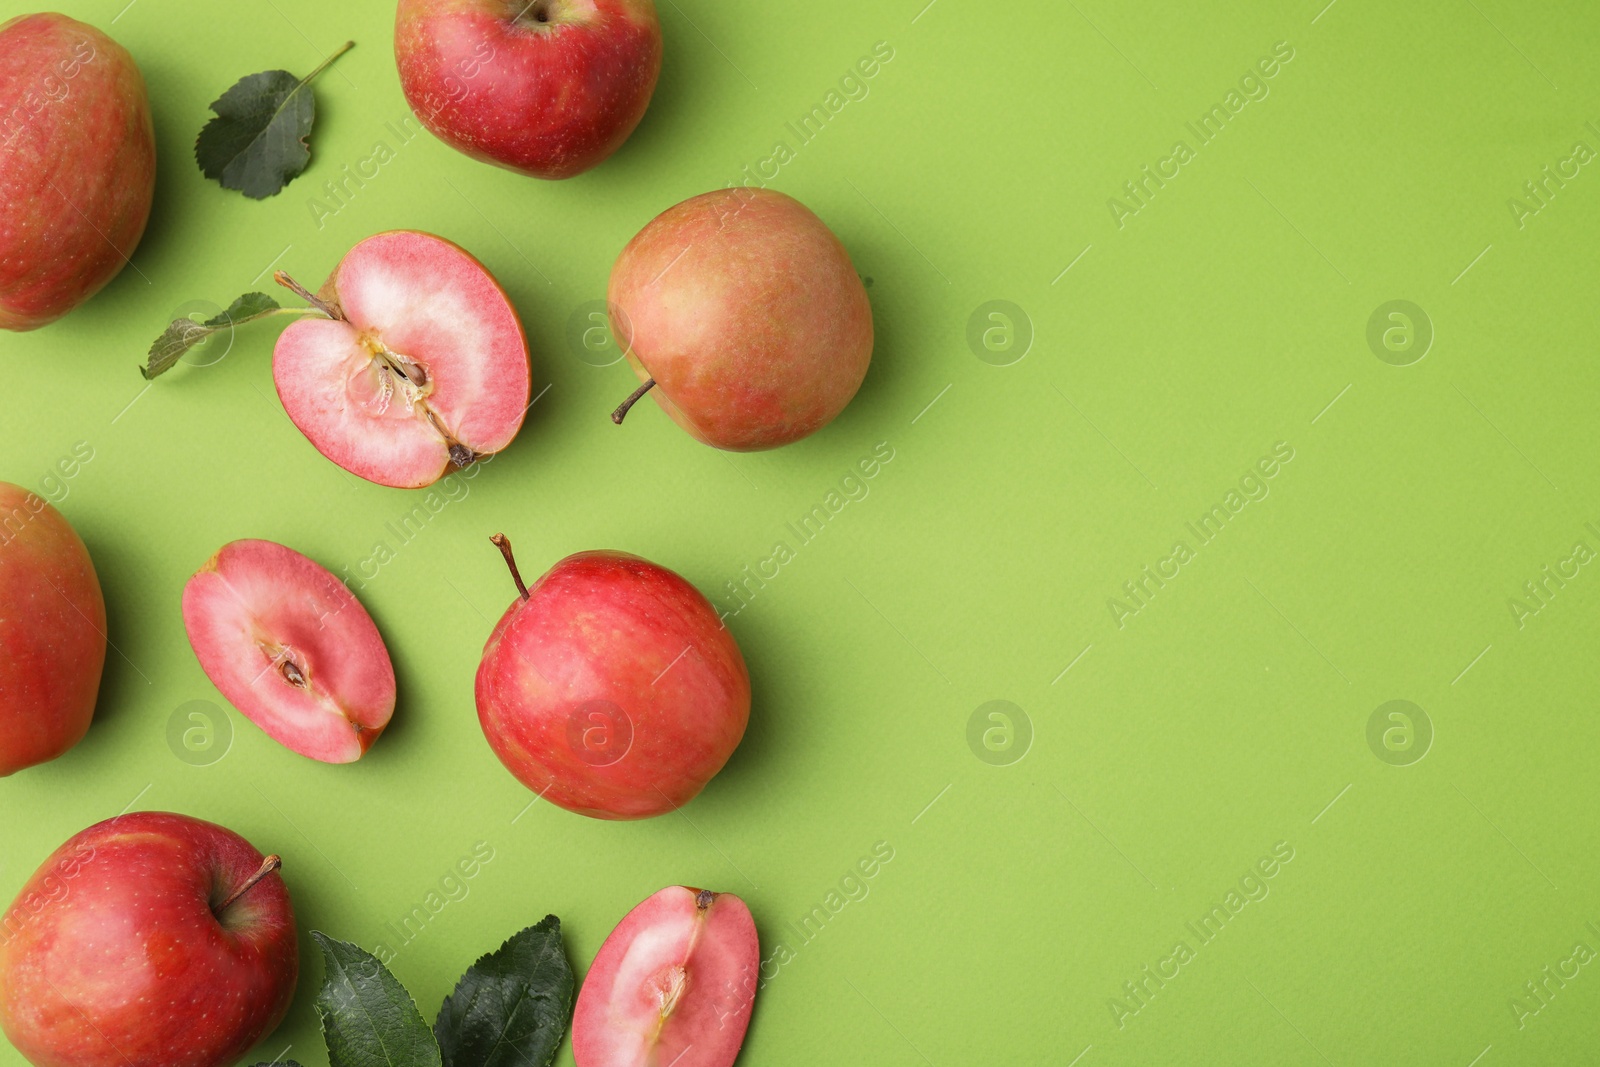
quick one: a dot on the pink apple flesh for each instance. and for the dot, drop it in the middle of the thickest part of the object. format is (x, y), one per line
(612, 689)
(77, 165)
(123, 949)
(292, 649)
(52, 632)
(427, 369)
(673, 986)
(546, 87)
(743, 308)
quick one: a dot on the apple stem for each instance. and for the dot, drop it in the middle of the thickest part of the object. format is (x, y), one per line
(324, 64)
(283, 279)
(268, 865)
(503, 543)
(633, 398)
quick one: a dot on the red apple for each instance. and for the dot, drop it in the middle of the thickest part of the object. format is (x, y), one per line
(422, 367)
(611, 688)
(673, 985)
(77, 165)
(52, 632)
(147, 940)
(291, 648)
(743, 317)
(546, 87)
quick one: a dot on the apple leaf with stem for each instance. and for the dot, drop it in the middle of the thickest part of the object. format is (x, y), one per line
(259, 140)
(183, 334)
(511, 1007)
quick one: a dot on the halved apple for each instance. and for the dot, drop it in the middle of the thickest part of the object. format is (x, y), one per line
(673, 984)
(422, 365)
(290, 646)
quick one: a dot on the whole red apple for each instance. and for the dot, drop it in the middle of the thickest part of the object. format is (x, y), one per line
(546, 87)
(611, 688)
(52, 632)
(77, 165)
(147, 940)
(743, 317)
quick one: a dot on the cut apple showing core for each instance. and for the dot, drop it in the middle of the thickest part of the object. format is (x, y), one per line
(672, 985)
(291, 648)
(422, 366)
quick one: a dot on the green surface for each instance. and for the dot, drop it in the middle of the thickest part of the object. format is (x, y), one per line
(1230, 713)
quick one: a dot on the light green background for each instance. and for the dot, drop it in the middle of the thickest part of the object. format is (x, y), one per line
(1230, 714)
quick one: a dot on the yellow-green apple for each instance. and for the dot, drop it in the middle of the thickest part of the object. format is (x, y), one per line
(673, 984)
(52, 632)
(147, 940)
(743, 317)
(77, 165)
(611, 687)
(290, 646)
(546, 87)
(420, 367)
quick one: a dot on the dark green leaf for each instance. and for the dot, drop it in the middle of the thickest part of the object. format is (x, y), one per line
(511, 1008)
(368, 1018)
(183, 334)
(278, 1063)
(258, 142)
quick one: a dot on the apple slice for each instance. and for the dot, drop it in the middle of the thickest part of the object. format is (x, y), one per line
(291, 648)
(422, 364)
(673, 984)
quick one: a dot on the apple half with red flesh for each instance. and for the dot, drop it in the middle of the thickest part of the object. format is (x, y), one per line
(742, 316)
(77, 165)
(420, 366)
(611, 687)
(674, 984)
(290, 646)
(549, 88)
(52, 632)
(148, 940)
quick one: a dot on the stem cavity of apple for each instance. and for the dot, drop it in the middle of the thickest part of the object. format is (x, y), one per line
(633, 398)
(268, 865)
(503, 543)
(535, 11)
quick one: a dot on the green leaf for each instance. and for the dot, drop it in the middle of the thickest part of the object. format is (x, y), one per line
(183, 334)
(368, 1018)
(259, 141)
(278, 1063)
(511, 1008)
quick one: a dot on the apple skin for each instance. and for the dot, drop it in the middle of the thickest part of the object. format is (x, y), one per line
(549, 88)
(52, 632)
(743, 307)
(613, 690)
(112, 955)
(77, 165)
